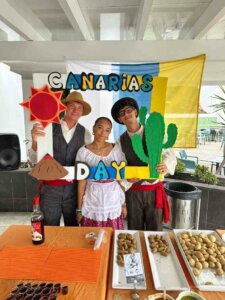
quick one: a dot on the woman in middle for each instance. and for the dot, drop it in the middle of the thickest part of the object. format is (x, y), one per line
(101, 203)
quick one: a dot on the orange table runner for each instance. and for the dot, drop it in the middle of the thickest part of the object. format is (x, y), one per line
(50, 264)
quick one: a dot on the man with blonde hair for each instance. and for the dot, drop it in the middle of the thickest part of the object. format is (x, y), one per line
(59, 197)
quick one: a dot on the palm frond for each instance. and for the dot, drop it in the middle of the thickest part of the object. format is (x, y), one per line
(217, 109)
(222, 117)
(218, 97)
(223, 89)
(221, 105)
(218, 105)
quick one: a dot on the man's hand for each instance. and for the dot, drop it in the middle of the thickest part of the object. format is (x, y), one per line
(37, 130)
(124, 211)
(133, 180)
(162, 168)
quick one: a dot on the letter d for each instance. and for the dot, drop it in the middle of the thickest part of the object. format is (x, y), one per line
(81, 171)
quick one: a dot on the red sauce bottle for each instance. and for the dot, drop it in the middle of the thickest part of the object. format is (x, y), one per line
(37, 223)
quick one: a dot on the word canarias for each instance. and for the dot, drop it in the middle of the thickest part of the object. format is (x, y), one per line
(111, 82)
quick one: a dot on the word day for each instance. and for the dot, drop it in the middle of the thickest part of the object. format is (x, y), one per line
(99, 172)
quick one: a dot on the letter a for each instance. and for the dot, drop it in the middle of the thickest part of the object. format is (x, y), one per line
(101, 171)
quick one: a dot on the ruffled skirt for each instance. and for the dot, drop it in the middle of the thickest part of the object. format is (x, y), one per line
(115, 223)
(102, 201)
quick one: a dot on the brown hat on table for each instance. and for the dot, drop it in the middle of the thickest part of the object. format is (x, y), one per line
(77, 97)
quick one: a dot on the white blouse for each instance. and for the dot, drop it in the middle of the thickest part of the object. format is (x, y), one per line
(102, 201)
(92, 159)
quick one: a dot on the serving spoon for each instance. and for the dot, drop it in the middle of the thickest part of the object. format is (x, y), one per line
(135, 294)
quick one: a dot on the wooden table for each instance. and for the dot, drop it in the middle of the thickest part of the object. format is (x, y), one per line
(62, 237)
(125, 294)
(74, 237)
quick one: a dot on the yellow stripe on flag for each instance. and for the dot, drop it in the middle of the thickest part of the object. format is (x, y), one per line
(182, 97)
(157, 103)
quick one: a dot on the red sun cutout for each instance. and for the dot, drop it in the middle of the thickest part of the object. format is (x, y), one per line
(44, 106)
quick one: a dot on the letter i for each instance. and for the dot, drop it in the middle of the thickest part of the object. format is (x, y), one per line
(124, 84)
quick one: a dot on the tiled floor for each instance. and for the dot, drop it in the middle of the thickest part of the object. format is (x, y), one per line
(11, 218)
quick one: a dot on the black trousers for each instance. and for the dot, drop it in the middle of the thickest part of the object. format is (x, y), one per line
(141, 211)
(57, 201)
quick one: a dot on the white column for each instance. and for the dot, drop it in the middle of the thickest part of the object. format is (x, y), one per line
(11, 113)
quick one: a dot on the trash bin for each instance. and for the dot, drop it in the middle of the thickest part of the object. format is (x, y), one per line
(184, 202)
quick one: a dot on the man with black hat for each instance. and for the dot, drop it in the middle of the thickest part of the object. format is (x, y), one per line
(60, 196)
(146, 200)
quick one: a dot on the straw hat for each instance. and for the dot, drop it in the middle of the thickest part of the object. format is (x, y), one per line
(77, 97)
(120, 104)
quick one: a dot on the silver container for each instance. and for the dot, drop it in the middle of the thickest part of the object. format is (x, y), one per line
(184, 202)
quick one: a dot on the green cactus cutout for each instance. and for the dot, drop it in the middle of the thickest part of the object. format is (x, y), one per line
(154, 136)
(142, 115)
(172, 136)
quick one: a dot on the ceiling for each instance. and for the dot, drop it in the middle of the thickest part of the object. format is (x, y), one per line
(102, 20)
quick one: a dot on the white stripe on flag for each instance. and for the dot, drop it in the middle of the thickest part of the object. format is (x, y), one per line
(176, 116)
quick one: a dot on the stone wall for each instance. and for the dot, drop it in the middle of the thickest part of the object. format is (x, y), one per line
(17, 189)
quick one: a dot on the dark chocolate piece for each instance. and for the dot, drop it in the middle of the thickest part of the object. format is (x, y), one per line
(65, 290)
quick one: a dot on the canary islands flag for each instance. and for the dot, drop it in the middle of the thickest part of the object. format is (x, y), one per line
(170, 88)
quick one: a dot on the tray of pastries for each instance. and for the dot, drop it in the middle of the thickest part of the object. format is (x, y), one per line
(166, 269)
(127, 258)
(204, 254)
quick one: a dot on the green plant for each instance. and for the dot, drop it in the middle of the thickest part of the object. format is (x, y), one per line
(23, 165)
(180, 167)
(154, 136)
(220, 106)
(203, 173)
(26, 164)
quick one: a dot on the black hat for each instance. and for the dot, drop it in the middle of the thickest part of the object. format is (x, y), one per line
(120, 104)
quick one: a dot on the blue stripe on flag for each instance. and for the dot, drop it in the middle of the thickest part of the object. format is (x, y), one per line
(143, 98)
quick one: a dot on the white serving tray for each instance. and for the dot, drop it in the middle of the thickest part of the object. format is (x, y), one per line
(206, 274)
(166, 270)
(119, 278)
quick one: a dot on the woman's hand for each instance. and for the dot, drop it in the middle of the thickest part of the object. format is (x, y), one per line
(124, 211)
(79, 218)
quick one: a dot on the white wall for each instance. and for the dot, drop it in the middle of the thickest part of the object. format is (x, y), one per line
(27, 84)
(11, 113)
